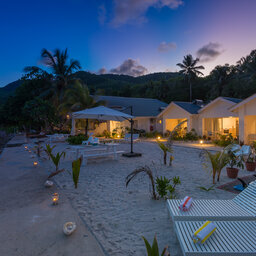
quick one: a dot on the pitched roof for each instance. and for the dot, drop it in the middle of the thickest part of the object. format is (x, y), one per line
(141, 106)
(190, 107)
(242, 102)
(235, 100)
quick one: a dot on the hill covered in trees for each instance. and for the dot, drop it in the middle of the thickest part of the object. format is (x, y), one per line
(43, 99)
(107, 84)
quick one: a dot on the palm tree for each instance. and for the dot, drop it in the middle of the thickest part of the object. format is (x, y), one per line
(61, 70)
(190, 70)
(78, 98)
(220, 75)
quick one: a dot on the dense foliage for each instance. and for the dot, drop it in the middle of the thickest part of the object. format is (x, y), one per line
(54, 92)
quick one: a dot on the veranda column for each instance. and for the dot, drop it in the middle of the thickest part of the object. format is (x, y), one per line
(73, 128)
(189, 123)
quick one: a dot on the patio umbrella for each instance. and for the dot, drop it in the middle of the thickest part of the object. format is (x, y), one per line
(101, 113)
(104, 113)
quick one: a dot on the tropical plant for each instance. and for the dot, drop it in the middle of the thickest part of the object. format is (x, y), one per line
(78, 98)
(38, 149)
(206, 189)
(55, 159)
(172, 188)
(233, 158)
(220, 76)
(170, 160)
(224, 140)
(62, 71)
(218, 161)
(145, 170)
(40, 113)
(190, 70)
(162, 185)
(165, 148)
(154, 250)
(49, 149)
(76, 165)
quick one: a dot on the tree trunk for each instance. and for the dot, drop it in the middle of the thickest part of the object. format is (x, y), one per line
(165, 156)
(218, 178)
(190, 90)
(213, 177)
(86, 127)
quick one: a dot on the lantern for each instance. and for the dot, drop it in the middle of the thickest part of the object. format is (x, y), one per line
(55, 198)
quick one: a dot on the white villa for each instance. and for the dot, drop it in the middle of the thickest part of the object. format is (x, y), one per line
(217, 118)
(177, 112)
(224, 116)
(246, 112)
(145, 111)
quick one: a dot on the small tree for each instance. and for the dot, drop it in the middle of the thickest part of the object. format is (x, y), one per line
(55, 159)
(218, 161)
(165, 148)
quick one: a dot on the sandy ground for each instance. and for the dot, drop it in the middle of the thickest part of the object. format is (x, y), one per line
(30, 225)
(119, 216)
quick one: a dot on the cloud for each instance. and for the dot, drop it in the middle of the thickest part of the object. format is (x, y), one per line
(102, 71)
(209, 52)
(166, 47)
(129, 67)
(102, 14)
(133, 11)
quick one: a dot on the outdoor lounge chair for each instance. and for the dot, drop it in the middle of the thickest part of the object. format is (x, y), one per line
(242, 207)
(91, 140)
(230, 238)
(127, 137)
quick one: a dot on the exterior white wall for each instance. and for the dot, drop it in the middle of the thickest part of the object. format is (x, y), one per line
(217, 110)
(99, 129)
(175, 112)
(247, 120)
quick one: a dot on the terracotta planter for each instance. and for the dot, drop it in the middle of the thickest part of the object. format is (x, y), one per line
(250, 166)
(232, 172)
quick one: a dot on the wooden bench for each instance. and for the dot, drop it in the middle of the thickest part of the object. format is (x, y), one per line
(97, 155)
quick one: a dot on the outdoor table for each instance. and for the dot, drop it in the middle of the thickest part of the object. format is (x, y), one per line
(113, 146)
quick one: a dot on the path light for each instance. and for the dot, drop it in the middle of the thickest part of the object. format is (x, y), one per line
(35, 163)
(55, 198)
(67, 116)
(158, 137)
(201, 142)
(118, 136)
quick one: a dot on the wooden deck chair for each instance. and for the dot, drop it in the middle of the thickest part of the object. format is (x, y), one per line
(230, 238)
(242, 207)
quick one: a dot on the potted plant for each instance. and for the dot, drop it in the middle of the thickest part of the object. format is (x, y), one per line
(250, 163)
(235, 161)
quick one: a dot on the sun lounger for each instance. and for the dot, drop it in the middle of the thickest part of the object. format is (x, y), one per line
(242, 207)
(127, 137)
(230, 238)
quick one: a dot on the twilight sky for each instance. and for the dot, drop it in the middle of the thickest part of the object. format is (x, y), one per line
(125, 36)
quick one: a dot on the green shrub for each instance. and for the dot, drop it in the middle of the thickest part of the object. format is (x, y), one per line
(224, 140)
(164, 188)
(192, 136)
(77, 139)
(162, 184)
(106, 134)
